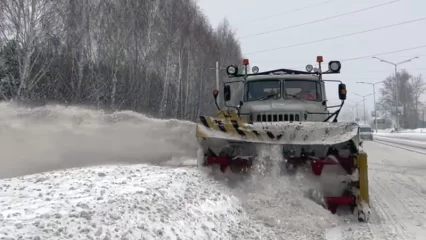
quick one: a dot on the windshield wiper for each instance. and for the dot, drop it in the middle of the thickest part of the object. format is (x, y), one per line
(267, 97)
(294, 96)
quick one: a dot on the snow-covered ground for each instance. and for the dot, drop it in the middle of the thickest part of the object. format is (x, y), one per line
(397, 190)
(418, 134)
(156, 198)
(121, 202)
(417, 130)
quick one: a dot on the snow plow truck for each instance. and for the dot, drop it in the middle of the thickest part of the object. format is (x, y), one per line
(288, 108)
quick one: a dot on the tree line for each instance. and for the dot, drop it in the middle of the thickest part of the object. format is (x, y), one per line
(156, 57)
(410, 90)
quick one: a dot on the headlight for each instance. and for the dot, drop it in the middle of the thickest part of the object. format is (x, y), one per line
(231, 70)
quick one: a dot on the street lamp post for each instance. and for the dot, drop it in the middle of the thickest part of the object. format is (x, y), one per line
(374, 99)
(356, 107)
(363, 99)
(396, 83)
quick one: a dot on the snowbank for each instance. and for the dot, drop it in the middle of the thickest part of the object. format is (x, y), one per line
(56, 137)
(402, 141)
(417, 130)
(128, 202)
(283, 202)
(121, 202)
(403, 135)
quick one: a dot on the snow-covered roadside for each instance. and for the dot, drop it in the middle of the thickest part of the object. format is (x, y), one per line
(403, 135)
(122, 202)
(401, 141)
(80, 204)
(417, 130)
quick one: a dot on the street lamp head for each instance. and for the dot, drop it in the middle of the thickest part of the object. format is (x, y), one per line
(366, 83)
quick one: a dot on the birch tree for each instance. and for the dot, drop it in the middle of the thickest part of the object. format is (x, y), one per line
(156, 57)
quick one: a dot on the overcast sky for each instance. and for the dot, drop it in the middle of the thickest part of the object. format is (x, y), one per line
(249, 17)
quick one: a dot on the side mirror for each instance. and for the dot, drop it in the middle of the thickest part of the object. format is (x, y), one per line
(342, 91)
(227, 93)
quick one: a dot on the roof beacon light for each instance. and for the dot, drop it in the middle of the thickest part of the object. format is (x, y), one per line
(245, 62)
(319, 59)
(255, 69)
(334, 66)
(309, 68)
(231, 70)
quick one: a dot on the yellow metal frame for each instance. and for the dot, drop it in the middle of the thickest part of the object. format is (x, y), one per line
(229, 115)
(363, 177)
(362, 192)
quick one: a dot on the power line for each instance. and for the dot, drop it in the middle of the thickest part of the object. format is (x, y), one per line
(320, 20)
(341, 36)
(377, 54)
(385, 53)
(295, 10)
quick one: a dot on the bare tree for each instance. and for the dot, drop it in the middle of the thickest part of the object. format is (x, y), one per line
(23, 21)
(418, 88)
(410, 90)
(156, 57)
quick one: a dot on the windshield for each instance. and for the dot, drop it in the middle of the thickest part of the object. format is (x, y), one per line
(365, 129)
(263, 89)
(302, 89)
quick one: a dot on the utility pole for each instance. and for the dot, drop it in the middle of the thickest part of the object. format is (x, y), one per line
(374, 99)
(363, 99)
(356, 107)
(396, 84)
(356, 111)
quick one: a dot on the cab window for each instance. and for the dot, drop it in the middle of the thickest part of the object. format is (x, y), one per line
(302, 89)
(263, 90)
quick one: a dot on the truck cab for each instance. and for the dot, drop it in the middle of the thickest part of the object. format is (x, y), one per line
(280, 95)
(279, 98)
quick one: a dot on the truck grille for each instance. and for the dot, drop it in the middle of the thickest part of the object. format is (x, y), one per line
(275, 117)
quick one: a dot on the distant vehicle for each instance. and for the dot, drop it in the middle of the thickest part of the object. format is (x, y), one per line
(365, 131)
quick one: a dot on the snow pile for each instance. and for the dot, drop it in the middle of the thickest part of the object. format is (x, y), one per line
(402, 142)
(417, 130)
(128, 202)
(403, 135)
(283, 202)
(122, 202)
(57, 137)
(392, 130)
